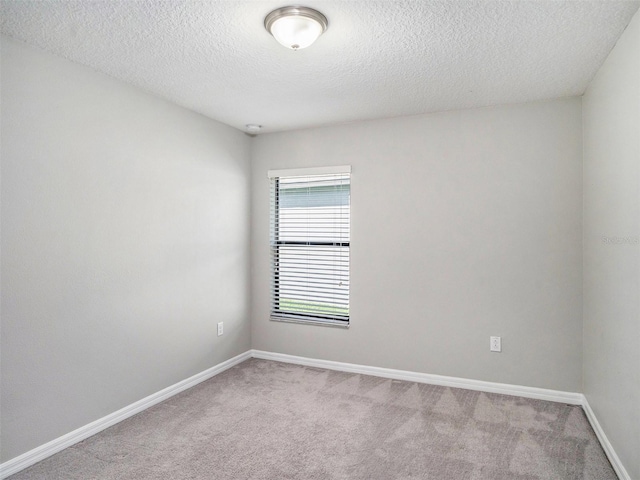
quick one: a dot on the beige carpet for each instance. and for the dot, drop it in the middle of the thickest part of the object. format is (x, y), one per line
(270, 420)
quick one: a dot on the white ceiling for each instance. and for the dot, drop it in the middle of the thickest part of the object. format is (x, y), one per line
(377, 59)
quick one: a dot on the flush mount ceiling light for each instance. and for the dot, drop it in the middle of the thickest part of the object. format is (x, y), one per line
(295, 27)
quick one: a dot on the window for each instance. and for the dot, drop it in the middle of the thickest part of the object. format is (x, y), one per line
(310, 240)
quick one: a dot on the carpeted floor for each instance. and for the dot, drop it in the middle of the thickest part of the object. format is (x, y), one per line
(270, 420)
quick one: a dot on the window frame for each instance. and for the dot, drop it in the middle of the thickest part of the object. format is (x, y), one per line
(275, 244)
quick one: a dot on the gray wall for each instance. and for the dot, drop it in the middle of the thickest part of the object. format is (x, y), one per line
(464, 225)
(125, 235)
(611, 118)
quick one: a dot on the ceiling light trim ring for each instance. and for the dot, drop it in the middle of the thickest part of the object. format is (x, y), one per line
(295, 11)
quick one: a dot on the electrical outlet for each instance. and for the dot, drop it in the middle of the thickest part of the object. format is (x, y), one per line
(495, 344)
(220, 328)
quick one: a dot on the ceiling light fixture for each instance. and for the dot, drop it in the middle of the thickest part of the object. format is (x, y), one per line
(295, 27)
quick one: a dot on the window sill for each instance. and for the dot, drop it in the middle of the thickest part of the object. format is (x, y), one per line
(303, 321)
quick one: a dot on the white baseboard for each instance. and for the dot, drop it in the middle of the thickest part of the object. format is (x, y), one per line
(604, 441)
(54, 446)
(491, 387)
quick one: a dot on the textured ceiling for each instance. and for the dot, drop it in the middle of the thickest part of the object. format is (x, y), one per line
(377, 59)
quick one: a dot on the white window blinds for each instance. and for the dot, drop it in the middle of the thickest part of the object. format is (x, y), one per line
(310, 240)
